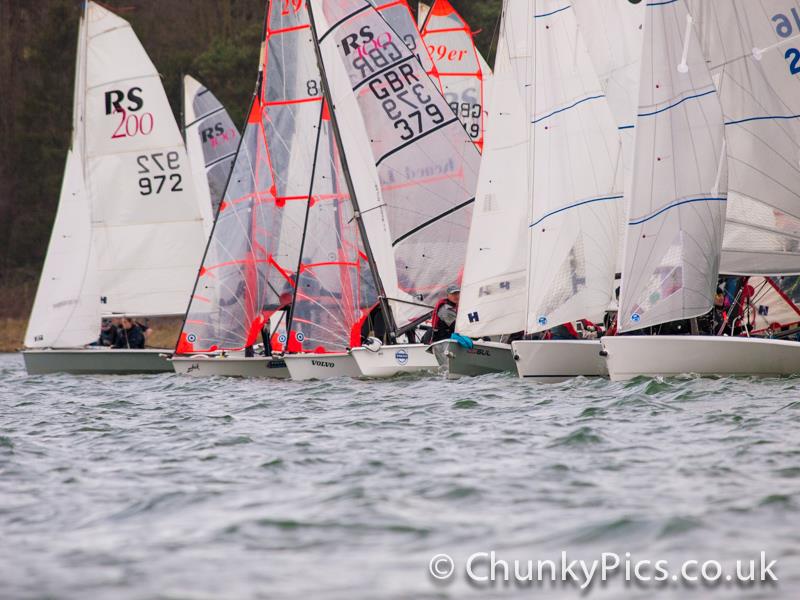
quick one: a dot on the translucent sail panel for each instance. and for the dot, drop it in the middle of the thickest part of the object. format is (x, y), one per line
(147, 221)
(449, 41)
(398, 15)
(66, 311)
(676, 208)
(494, 291)
(252, 259)
(211, 140)
(577, 200)
(329, 305)
(754, 53)
(427, 165)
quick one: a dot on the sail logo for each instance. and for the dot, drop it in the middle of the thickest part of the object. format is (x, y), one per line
(442, 52)
(216, 135)
(127, 104)
(401, 356)
(542, 321)
(114, 99)
(365, 41)
(474, 317)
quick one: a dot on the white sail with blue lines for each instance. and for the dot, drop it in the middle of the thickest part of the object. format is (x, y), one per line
(577, 174)
(757, 71)
(677, 201)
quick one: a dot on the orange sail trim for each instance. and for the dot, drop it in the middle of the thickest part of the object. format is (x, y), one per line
(458, 66)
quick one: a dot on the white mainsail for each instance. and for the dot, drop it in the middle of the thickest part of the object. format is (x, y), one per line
(211, 141)
(494, 287)
(676, 205)
(753, 48)
(427, 165)
(129, 231)
(577, 178)
(147, 222)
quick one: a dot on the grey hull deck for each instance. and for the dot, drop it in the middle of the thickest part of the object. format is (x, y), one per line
(97, 361)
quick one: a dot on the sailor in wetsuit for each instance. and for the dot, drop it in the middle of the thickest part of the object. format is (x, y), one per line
(443, 322)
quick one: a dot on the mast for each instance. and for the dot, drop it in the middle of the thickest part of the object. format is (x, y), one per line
(388, 318)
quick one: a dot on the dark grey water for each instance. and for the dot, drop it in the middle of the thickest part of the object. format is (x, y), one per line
(165, 487)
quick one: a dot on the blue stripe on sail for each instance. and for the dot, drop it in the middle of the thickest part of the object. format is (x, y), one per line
(577, 204)
(558, 10)
(765, 118)
(679, 102)
(626, 127)
(560, 110)
(674, 205)
(662, 3)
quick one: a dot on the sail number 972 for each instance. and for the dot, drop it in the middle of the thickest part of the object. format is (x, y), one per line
(159, 173)
(785, 27)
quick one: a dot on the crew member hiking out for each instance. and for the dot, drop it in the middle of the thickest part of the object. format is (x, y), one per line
(443, 323)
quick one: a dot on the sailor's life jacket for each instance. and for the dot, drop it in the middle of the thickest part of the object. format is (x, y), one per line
(443, 322)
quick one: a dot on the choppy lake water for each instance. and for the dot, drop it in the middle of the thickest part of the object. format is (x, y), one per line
(146, 487)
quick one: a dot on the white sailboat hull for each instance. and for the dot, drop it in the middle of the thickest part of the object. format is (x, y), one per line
(558, 360)
(389, 361)
(483, 358)
(97, 361)
(305, 367)
(227, 366)
(667, 356)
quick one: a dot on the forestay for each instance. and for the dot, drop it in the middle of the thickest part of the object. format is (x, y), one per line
(211, 140)
(285, 238)
(754, 51)
(676, 207)
(577, 178)
(494, 289)
(147, 222)
(426, 163)
(458, 65)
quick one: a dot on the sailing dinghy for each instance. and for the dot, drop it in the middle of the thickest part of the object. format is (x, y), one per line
(129, 228)
(415, 162)
(285, 264)
(543, 252)
(751, 75)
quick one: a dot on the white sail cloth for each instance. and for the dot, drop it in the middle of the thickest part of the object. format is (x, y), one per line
(129, 231)
(676, 205)
(494, 289)
(753, 48)
(578, 174)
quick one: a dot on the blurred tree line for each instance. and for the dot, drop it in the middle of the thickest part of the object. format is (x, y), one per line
(217, 41)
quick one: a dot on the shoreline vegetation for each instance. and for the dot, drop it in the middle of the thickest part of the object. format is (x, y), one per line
(220, 49)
